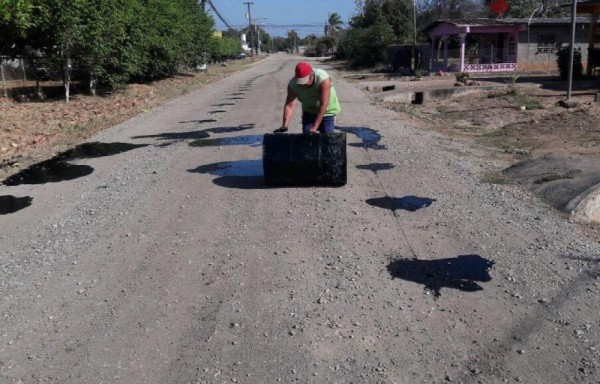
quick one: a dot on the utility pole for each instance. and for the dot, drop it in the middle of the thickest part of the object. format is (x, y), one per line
(203, 5)
(250, 24)
(257, 29)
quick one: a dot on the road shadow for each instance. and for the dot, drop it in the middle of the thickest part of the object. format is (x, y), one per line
(11, 204)
(370, 137)
(461, 272)
(406, 203)
(376, 167)
(241, 174)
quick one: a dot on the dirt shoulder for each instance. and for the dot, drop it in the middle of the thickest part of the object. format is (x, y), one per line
(34, 128)
(519, 115)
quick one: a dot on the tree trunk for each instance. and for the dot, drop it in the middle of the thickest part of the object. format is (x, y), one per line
(3, 79)
(23, 69)
(93, 83)
(67, 76)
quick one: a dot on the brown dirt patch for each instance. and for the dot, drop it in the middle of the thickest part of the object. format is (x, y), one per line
(33, 128)
(522, 120)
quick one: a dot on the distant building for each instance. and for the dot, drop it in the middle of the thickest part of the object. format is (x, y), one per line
(499, 45)
(245, 46)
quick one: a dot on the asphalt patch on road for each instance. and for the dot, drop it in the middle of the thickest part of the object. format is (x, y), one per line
(177, 136)
(406, 203)
(239, 128)
(195, 135)
(49, 171)
(461, 272)
(11, 204)
(557, 180)
(376, 167)
(200, 121)
(58, 169)
(251, 140)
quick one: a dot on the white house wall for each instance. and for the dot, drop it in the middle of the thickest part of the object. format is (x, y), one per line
(532, 58)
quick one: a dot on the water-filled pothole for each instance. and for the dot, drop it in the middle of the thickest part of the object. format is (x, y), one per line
(370, 137)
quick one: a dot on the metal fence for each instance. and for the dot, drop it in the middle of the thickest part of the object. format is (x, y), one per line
(535, 62)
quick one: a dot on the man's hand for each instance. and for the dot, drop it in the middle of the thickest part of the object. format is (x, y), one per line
(313, 130)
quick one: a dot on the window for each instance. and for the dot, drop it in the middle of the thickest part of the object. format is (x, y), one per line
(546, 44)
(511, 46)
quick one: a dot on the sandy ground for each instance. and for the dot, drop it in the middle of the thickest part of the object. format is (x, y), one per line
(172, 262)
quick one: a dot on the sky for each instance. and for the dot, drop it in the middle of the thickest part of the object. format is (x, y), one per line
(279, 16)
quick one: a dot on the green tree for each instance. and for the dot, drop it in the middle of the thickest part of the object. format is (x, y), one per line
(378, 24)
(107, 42)
(334, 24)
(280, 43)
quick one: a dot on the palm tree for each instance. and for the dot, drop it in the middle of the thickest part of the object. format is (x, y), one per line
(293, 40)
(334, 24)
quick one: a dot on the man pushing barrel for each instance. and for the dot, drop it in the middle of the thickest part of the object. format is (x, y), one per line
(317, 95)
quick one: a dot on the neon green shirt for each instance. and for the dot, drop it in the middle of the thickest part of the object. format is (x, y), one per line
(309, 97)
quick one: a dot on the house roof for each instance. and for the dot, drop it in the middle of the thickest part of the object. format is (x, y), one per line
(508, 21)
(463, 22)
(549, 21)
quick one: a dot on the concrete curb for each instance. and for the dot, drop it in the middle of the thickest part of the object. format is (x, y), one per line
(431, 94)
(585, 208)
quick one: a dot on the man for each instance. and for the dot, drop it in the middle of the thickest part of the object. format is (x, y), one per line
(317, 95)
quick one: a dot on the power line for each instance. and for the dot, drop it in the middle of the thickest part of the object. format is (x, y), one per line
(212, 6)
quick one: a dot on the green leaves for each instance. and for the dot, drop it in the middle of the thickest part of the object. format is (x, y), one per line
(111, 41)
(378, 24)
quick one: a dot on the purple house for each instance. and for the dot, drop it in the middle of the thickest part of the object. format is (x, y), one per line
(492, 45)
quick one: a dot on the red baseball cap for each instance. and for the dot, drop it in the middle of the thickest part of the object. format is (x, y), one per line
(303, 71)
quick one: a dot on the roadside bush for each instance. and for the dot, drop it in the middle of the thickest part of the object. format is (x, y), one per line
(221, 49)
(562, 60)
(367, 46)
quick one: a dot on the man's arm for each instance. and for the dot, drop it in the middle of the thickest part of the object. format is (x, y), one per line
(288, 108)
(324, 93)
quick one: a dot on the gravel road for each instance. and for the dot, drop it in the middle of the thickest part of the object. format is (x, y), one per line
(172, 263)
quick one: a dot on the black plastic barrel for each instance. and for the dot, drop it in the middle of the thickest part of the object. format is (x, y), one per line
(299, 159)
